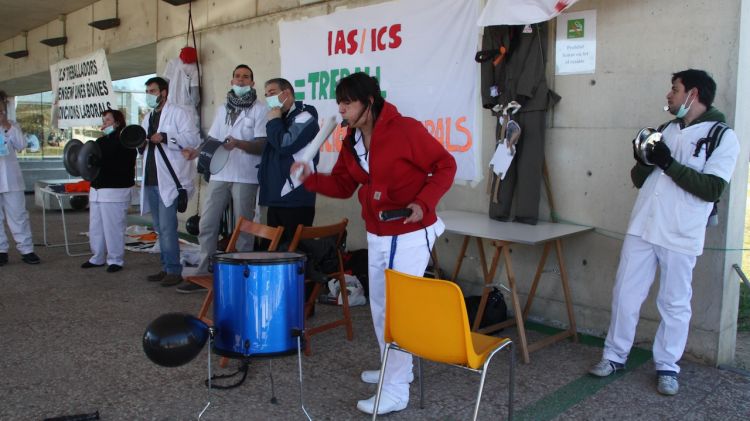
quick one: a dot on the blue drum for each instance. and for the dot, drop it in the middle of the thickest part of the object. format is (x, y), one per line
(258, 302)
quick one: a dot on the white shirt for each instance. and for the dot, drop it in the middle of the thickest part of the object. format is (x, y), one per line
(11, 178)
(362, 152)
(241, 167)
(668, 216)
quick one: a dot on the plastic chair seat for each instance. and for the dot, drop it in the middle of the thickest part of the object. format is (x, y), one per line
(483, 345)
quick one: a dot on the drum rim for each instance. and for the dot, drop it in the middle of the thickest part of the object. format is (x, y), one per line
(218, 350)
(211, 149)
(221, 156)
(291, 257)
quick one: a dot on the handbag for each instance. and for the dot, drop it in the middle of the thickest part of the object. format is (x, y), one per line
(182, 195)
(495, 312)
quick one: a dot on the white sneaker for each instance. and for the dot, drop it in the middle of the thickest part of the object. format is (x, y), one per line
(372, 376)
(387, 405)
(604, 368)
(667, 385)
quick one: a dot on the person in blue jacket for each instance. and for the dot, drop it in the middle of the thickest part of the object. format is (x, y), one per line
(291, 126)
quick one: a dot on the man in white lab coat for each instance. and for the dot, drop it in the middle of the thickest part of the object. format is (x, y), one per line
(683, 177)
(241, 124)
(12, 202)
(170, 128)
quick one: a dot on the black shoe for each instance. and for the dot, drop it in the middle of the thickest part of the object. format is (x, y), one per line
(114, 268)
(30, 258)
(156, 277)
(88, 265)
(3, 259)
(189, 288)
(171, 280)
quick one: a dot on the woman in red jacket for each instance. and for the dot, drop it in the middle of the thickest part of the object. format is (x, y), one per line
(396, 164)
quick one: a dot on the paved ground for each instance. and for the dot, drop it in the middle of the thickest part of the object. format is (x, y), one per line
(71, 344)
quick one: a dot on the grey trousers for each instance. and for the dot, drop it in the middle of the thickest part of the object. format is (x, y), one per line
(217, 197)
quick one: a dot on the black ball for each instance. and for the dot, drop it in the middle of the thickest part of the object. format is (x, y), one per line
(79, 202)
(174, 339)
(192, 225)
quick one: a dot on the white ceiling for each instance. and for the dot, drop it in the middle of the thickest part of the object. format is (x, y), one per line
(24, 15)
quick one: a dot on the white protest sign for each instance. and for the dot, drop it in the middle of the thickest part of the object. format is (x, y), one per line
(426, 74)
(82, 88)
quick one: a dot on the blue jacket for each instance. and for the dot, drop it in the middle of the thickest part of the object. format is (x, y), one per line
(286, 136)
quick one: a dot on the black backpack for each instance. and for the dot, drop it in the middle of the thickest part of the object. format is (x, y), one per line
(712, 141)
(495, 312)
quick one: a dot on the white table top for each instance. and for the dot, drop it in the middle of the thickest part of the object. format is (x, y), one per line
(480, 225)
(47, 190)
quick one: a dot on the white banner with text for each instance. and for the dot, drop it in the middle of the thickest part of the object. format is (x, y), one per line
(425, 73)
(82, 89)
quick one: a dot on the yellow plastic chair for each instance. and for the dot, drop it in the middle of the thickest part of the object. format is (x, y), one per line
(427, 318)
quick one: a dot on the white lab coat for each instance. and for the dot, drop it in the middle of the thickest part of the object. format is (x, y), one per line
(11, 178)
(665, 214)
(182, 78)
(179, 125)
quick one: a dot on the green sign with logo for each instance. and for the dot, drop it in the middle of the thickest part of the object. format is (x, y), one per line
(575, 28)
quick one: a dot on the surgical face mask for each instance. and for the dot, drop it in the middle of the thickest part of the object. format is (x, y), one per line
(274, 102)
(108, 130)
(241, 90)
(682, 112)
(152, 100)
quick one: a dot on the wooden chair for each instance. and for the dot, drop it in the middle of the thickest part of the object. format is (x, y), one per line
(246, 226)
(305, 233)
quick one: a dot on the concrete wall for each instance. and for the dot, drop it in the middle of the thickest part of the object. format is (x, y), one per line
(639, 44)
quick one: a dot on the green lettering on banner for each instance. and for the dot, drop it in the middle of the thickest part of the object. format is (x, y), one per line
(323, 83)
(312, 78)
(325, 79)
(299, 85)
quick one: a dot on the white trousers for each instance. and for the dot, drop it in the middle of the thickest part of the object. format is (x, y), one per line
(412, 255)
(107, 223)
(13, 209)
(217, 197)
(635, 274)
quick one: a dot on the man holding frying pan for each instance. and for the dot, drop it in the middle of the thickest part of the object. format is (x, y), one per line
(237, 137)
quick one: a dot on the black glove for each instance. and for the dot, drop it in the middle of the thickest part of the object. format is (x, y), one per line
(661, 155)
(635, 154)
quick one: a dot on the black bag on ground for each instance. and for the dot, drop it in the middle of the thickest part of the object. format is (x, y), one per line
(494, 312)
(357, 264)
(321, 258)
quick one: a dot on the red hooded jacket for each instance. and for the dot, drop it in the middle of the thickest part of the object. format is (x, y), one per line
(407, 165)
